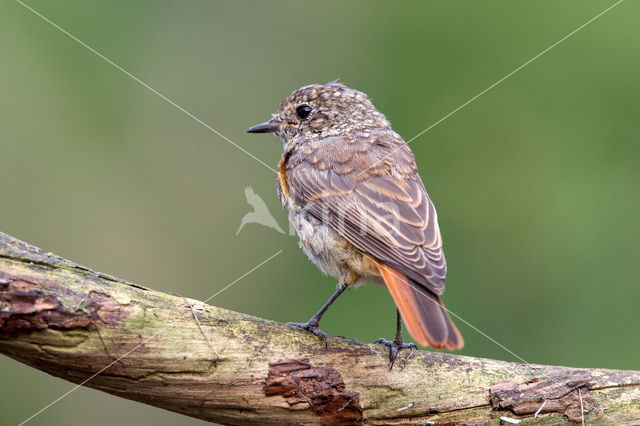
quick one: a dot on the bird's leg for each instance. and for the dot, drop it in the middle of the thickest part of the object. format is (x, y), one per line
(396, 344)
(313, 324)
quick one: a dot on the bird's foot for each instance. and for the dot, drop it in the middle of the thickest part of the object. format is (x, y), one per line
(313, 327)
(395, 346)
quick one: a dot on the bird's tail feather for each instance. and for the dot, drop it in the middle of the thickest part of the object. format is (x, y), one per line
(422, 311)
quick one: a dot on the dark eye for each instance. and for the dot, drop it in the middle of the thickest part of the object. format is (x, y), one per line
(303, 111)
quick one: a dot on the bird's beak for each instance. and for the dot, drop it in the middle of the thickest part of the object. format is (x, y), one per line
(270, 126)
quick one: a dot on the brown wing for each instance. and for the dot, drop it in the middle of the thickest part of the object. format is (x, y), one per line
(385, 211)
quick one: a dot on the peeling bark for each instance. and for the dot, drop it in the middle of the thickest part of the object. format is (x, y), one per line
(206, 362)
(322, 388)
(564, 394)
(31, 310)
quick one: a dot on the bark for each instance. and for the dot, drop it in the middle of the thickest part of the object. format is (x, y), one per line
(227, 367)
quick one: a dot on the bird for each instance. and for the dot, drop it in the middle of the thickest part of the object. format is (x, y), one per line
(350, 187)
(260, 213)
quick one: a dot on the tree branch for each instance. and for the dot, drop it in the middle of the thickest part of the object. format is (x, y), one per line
(206, 362)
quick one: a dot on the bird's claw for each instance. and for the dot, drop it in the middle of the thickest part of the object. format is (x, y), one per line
(394, 348)
(312, 327)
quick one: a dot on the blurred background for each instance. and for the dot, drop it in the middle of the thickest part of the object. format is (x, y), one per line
(536, 182)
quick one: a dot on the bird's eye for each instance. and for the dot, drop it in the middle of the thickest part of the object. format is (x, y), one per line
(303, 111)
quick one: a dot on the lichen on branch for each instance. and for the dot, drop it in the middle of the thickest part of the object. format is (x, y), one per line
(226, 367)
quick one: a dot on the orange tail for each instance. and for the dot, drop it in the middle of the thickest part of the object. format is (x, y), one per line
(422, 311)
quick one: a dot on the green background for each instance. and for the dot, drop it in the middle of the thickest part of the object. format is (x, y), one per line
(536, 182)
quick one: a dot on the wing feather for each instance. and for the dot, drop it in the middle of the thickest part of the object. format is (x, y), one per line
(385, 212)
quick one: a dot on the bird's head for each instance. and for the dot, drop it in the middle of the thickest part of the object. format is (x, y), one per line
(318, 111)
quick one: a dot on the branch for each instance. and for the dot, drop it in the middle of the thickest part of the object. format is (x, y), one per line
(222, 366)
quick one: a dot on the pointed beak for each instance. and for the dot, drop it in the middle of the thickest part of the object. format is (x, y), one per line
(270, 126)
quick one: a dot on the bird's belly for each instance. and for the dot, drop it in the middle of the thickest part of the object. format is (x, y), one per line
(330, 252)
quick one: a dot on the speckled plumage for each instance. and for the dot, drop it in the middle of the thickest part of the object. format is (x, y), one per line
(350, 187)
